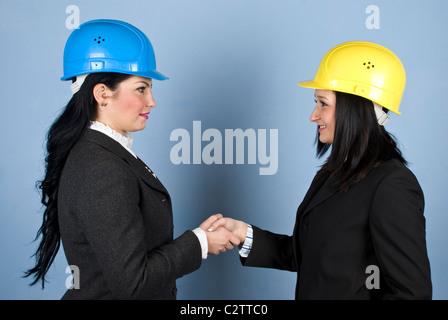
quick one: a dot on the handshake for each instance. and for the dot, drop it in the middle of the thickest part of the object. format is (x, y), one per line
(223, 233)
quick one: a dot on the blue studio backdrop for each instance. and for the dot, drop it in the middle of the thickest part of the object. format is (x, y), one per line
(231, 130)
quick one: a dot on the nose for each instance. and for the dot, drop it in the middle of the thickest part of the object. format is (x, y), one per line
(315, 115)
(151, 103)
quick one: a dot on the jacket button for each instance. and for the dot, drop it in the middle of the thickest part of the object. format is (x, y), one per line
(306, 225)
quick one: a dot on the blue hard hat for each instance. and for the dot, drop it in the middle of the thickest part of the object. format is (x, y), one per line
(109, 46)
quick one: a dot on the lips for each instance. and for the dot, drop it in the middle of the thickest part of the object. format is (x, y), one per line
(321, 128)
(144, 115)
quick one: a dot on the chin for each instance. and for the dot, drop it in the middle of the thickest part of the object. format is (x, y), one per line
(327, 141)
(322, 140)
(142, 127)
(137, 128)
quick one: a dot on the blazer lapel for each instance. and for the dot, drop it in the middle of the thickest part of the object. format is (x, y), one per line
(320, 190)
(136, 165)
(326, 191)
(143, 171)
(317, 183)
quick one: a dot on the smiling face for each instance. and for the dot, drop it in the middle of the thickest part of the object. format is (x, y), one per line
(127, 108)
(324, 114)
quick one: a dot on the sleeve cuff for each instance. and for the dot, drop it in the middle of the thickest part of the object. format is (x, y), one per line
(202, 237)
(247, 245)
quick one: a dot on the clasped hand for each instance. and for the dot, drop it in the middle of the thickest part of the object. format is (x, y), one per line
(223, 233)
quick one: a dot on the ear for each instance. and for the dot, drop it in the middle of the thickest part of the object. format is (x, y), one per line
(101, 93)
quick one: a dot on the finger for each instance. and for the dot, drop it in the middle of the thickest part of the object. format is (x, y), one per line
(229, 246)
(218, 250)
(208, 223)
(234, 239)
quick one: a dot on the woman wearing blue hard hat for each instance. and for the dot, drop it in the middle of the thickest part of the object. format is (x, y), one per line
(111, 212)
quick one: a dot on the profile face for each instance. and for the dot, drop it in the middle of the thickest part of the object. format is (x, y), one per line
(324, 114)
(127, 109)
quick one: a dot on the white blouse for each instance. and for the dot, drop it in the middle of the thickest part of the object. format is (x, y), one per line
(125, 140)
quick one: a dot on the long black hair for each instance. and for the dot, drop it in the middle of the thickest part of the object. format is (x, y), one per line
(359, 144)
(62, 136)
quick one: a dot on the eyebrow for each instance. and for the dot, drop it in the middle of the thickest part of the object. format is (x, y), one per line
(141, 81)
(321, 97)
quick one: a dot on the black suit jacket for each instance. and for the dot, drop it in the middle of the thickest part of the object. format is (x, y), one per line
(379, 221)
(116, 225)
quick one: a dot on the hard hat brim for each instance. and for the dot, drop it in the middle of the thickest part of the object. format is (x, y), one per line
(312, 84)
(150, 74)
(154, 75)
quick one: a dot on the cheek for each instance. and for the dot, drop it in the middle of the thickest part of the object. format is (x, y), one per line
(329, 117)
(130, 104)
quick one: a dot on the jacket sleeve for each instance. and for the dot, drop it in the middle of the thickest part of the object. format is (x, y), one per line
(109, 215)
(398, 234)
(270, 250)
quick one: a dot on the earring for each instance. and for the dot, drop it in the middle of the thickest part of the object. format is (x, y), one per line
(103, 104)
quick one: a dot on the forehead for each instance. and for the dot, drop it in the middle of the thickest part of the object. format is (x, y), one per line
(138, 80)
(326, 94)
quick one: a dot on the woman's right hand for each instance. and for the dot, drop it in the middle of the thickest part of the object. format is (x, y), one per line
(237, 227)
(221, 239)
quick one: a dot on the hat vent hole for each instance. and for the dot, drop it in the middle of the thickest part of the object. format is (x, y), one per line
(369, 65)
(99, 39)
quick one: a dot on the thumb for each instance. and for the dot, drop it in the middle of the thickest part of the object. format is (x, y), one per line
(218, 224)
(208, 223)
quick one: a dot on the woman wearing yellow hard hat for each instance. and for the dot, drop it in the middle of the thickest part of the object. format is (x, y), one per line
(360, 230)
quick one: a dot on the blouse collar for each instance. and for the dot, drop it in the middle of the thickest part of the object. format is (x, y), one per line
(125, 140)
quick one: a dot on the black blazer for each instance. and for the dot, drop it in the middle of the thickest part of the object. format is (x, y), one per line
(379, 221)
(116, 225)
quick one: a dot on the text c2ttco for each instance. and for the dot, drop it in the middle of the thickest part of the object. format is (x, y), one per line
(246, 309)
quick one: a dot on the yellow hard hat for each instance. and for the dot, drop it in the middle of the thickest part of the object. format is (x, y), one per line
(362, 68)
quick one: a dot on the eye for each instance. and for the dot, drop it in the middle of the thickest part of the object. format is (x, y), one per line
(323, 104)
(141, 89)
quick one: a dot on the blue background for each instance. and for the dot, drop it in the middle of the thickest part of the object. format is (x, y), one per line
(232, 64)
